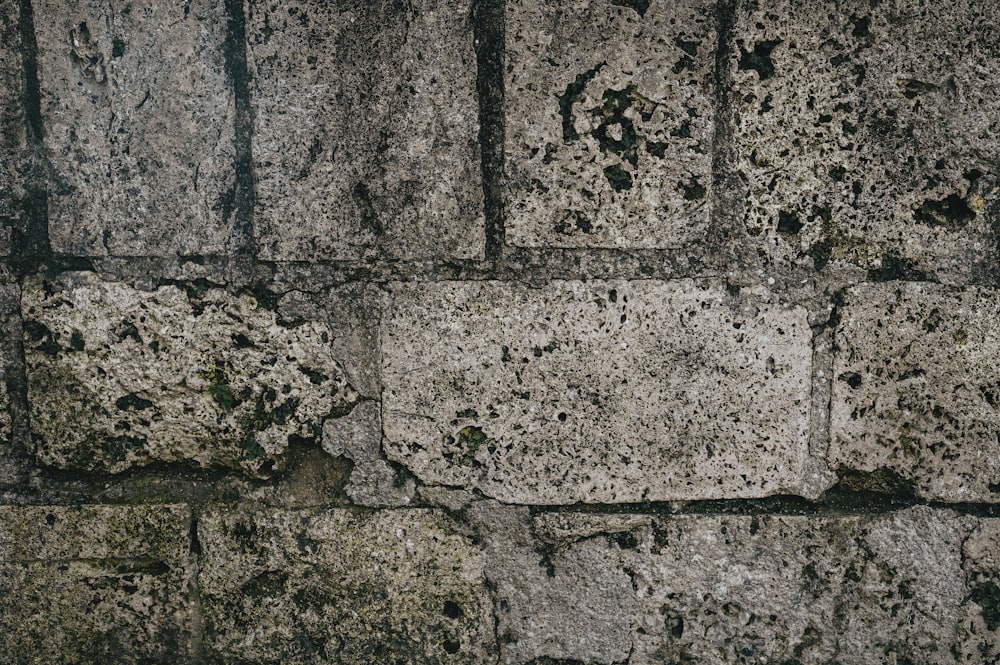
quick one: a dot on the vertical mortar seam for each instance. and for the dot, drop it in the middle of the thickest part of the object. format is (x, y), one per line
(488, 19)
(241, 241)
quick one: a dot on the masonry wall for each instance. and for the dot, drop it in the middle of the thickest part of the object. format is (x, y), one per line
(592, 332)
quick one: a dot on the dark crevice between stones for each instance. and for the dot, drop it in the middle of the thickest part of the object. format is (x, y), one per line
(30, 239)
(488, 31)
(239, 203)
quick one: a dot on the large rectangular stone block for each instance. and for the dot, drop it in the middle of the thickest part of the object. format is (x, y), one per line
(916, 586)
(365, 129)
(119, 377)
(917, 388)
(867, 134)
(95, 584)
(601, 391)
(609, 122)
(342, 586)
(139, 126)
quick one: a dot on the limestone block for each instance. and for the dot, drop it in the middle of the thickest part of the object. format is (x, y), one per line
(912, 586)
(119, 377)
(600, 391)
(13, 147)
(342, 586)
(365, 129)
(139, 126)
(95, 584)
(609, 122)
(917, 388)
(866, 131)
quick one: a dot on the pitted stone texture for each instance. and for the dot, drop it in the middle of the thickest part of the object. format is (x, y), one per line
(609, 122)
(756, 589)
(365, 129)
(95, 584)
(601, 391)
(867, 133)
(139, 124)
(917, 388)
(13, 147)
(342, 586)
(119, 377)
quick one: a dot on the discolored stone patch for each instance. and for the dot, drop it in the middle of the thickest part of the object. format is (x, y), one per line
(119, 377)
(866, 133)
(139, 119)
(603, 391)
(342, 586)
(910, 586)
(95, 584)
(365, 129)
(917, 388)
(609, 123)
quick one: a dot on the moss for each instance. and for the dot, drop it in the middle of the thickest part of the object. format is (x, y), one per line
(987, 595)
(471, 438)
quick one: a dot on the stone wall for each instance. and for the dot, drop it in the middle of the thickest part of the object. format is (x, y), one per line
(592, 332)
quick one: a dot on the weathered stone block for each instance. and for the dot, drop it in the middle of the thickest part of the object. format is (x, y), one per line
(342, 586)
(365, 129)
(866, 132)
(917, 388)
(609, 122)
(13, 147)
(601, 391)
(139, 124)
(119, 377)
(95, 584)
(911, 586)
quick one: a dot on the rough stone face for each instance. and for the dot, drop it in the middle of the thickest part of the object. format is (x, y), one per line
(867, 132)
(378, 152)
(917, 387)
(609, 122)
(604, 391)
(95, 584)
(138, 126)
(119, 377)
(342, 586)
(12, 123)
(912, 586)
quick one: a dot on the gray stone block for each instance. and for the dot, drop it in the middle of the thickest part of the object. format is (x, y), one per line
(95, 584)
(601, 391)
(13, 147)
(119, 377)
(139, 124)
(365, 129)
(917, 387)
(342, 586)
(866, 132)
(609, 123)
(917, 586)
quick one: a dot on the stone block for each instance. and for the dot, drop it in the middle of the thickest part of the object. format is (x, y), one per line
(139, 126)
(342, 586)
(866, 132)
(95, 584)
(917, 389)
(365, 129)
(917, 586)
(600, 391)
(13, 145)
(119, 377)
(609, 123)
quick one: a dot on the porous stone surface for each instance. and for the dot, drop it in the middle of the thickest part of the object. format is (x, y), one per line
(342, 586)
(866, 132)
(95, 584)
(139, 119)
(365, 129)
(119, 377)
(609, 122)
(911, 586)
(12, 123)
(917, 387)
(601, 391)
